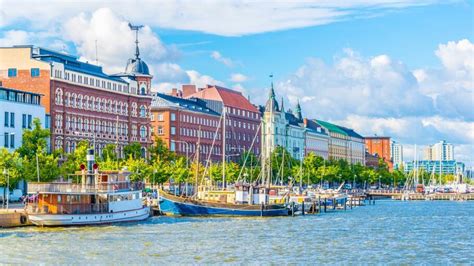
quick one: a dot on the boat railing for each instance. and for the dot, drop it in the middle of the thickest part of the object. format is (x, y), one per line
(67, 208)
(67, 187)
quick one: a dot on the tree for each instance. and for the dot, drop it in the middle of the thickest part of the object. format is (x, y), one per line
(109, 152)
(75, 159)
(138, 168)
(159, 151)
(11, 162)
(133, 150)
(34, 141)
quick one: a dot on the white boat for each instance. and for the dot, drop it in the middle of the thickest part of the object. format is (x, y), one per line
(100, 198)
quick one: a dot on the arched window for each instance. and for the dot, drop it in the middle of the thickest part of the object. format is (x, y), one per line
(143, 132)
(143, 152)
(142, 111)
(86, 124)
(59, 96)
(73, 100)
(87, 105)
(79, 101)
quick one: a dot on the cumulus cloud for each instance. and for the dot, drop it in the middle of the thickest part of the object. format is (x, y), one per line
(238, 77)
(226, 18)
(15, 37)
(201, 81)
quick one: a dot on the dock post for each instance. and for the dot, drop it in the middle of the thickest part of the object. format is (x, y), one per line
(319, 204)
(334, 203)
(261, 210)
(325, 204)
(314, 207)
(292, 209)
(302, 208)
(345, 204)
(352, 202)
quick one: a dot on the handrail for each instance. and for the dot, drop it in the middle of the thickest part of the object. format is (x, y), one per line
(67, 208)
(82, 188)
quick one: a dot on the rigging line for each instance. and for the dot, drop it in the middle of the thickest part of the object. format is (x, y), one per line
(248, 152)
(213, 142)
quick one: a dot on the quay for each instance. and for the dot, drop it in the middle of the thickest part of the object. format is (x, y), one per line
(13, 218)
(400, 195)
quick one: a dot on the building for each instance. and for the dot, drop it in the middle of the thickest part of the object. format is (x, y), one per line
(439, 151)
(380, 146)
(397, 154)
(344, 143)
(316, 139)
(242, 117)
(372, 160)
(17, 111)
(183, 123)
(84, 103)
(281, 128)
(445, 167)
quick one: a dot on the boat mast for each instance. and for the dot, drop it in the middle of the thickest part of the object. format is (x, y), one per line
(198, 151)
(223, 145)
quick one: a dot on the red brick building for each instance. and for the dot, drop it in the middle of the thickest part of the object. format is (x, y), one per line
(381, 147)
(183, 123)
(242, 117)
(82, 101)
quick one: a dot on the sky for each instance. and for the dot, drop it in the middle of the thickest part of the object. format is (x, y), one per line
(398, 68)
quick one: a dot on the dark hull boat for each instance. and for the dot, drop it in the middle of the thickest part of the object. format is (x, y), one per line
(173, 205)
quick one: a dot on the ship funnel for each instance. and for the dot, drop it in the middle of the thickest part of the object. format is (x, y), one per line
(90, 161)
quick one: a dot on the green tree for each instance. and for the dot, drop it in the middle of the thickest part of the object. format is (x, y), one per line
(34, 141)
(74, 160)
(133, 150)
(10, 162)
(159, 151)
(109, 152)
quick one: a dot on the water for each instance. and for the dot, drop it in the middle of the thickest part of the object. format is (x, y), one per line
(390, 232)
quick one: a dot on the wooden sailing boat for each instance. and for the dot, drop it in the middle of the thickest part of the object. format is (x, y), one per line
(244, 200)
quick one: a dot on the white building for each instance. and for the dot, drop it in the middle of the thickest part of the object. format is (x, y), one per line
(17, 111)
(440, 151)
(316, 139)
(397, 154)
(282, 128)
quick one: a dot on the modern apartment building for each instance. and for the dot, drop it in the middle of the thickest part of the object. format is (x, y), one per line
(17, 111)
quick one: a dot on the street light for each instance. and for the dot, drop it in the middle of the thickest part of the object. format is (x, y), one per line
(5, 173)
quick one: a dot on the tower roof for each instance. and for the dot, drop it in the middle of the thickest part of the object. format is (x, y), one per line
(272, 104)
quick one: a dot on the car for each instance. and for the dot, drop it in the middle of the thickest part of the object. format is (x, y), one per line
(347, 186)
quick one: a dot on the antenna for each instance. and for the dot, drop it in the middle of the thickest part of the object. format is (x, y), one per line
(136, 28)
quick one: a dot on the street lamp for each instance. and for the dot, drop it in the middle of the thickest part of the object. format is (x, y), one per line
(7, 197)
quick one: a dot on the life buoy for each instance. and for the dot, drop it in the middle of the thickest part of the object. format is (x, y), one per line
(23, 219)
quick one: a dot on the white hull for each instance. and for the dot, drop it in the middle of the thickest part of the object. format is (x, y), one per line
(89, 219)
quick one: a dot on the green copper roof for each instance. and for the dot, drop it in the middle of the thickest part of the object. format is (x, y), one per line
(332, 127)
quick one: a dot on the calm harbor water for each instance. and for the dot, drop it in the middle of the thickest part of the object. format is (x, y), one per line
(389, 232)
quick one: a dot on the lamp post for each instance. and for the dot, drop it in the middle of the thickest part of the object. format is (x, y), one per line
(7, 197)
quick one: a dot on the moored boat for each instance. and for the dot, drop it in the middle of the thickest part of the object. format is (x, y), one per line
(100, 198)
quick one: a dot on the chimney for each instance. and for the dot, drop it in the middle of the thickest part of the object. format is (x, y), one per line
(174, 92)
(188, 90)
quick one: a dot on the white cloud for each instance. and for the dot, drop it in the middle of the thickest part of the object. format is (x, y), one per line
(238, 77)
(115, 41)
(201, 81)
(221, 59)
(215, 17)
(15, 37)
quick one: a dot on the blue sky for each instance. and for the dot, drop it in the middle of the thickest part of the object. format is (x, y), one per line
(401, 68)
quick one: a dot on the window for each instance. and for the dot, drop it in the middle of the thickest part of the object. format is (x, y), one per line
(143, 132)
(6, 140)
(35, 72)
(142, 111)
(173, 117)
(172, 146)
(23, 121)
(7, 118)
(173, 130)
(12, 141)
(12, 119)
(160, 117)
(11, 72)
(160, 130)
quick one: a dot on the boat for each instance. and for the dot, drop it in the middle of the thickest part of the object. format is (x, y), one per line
(100, 197)
(242, 199)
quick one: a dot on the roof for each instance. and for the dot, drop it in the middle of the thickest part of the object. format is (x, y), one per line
(339, 129)
(314, 127)
(292, 120)
(227, 96)
(193, 104)
(71, 63)
(331, 127)
(376, 137)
